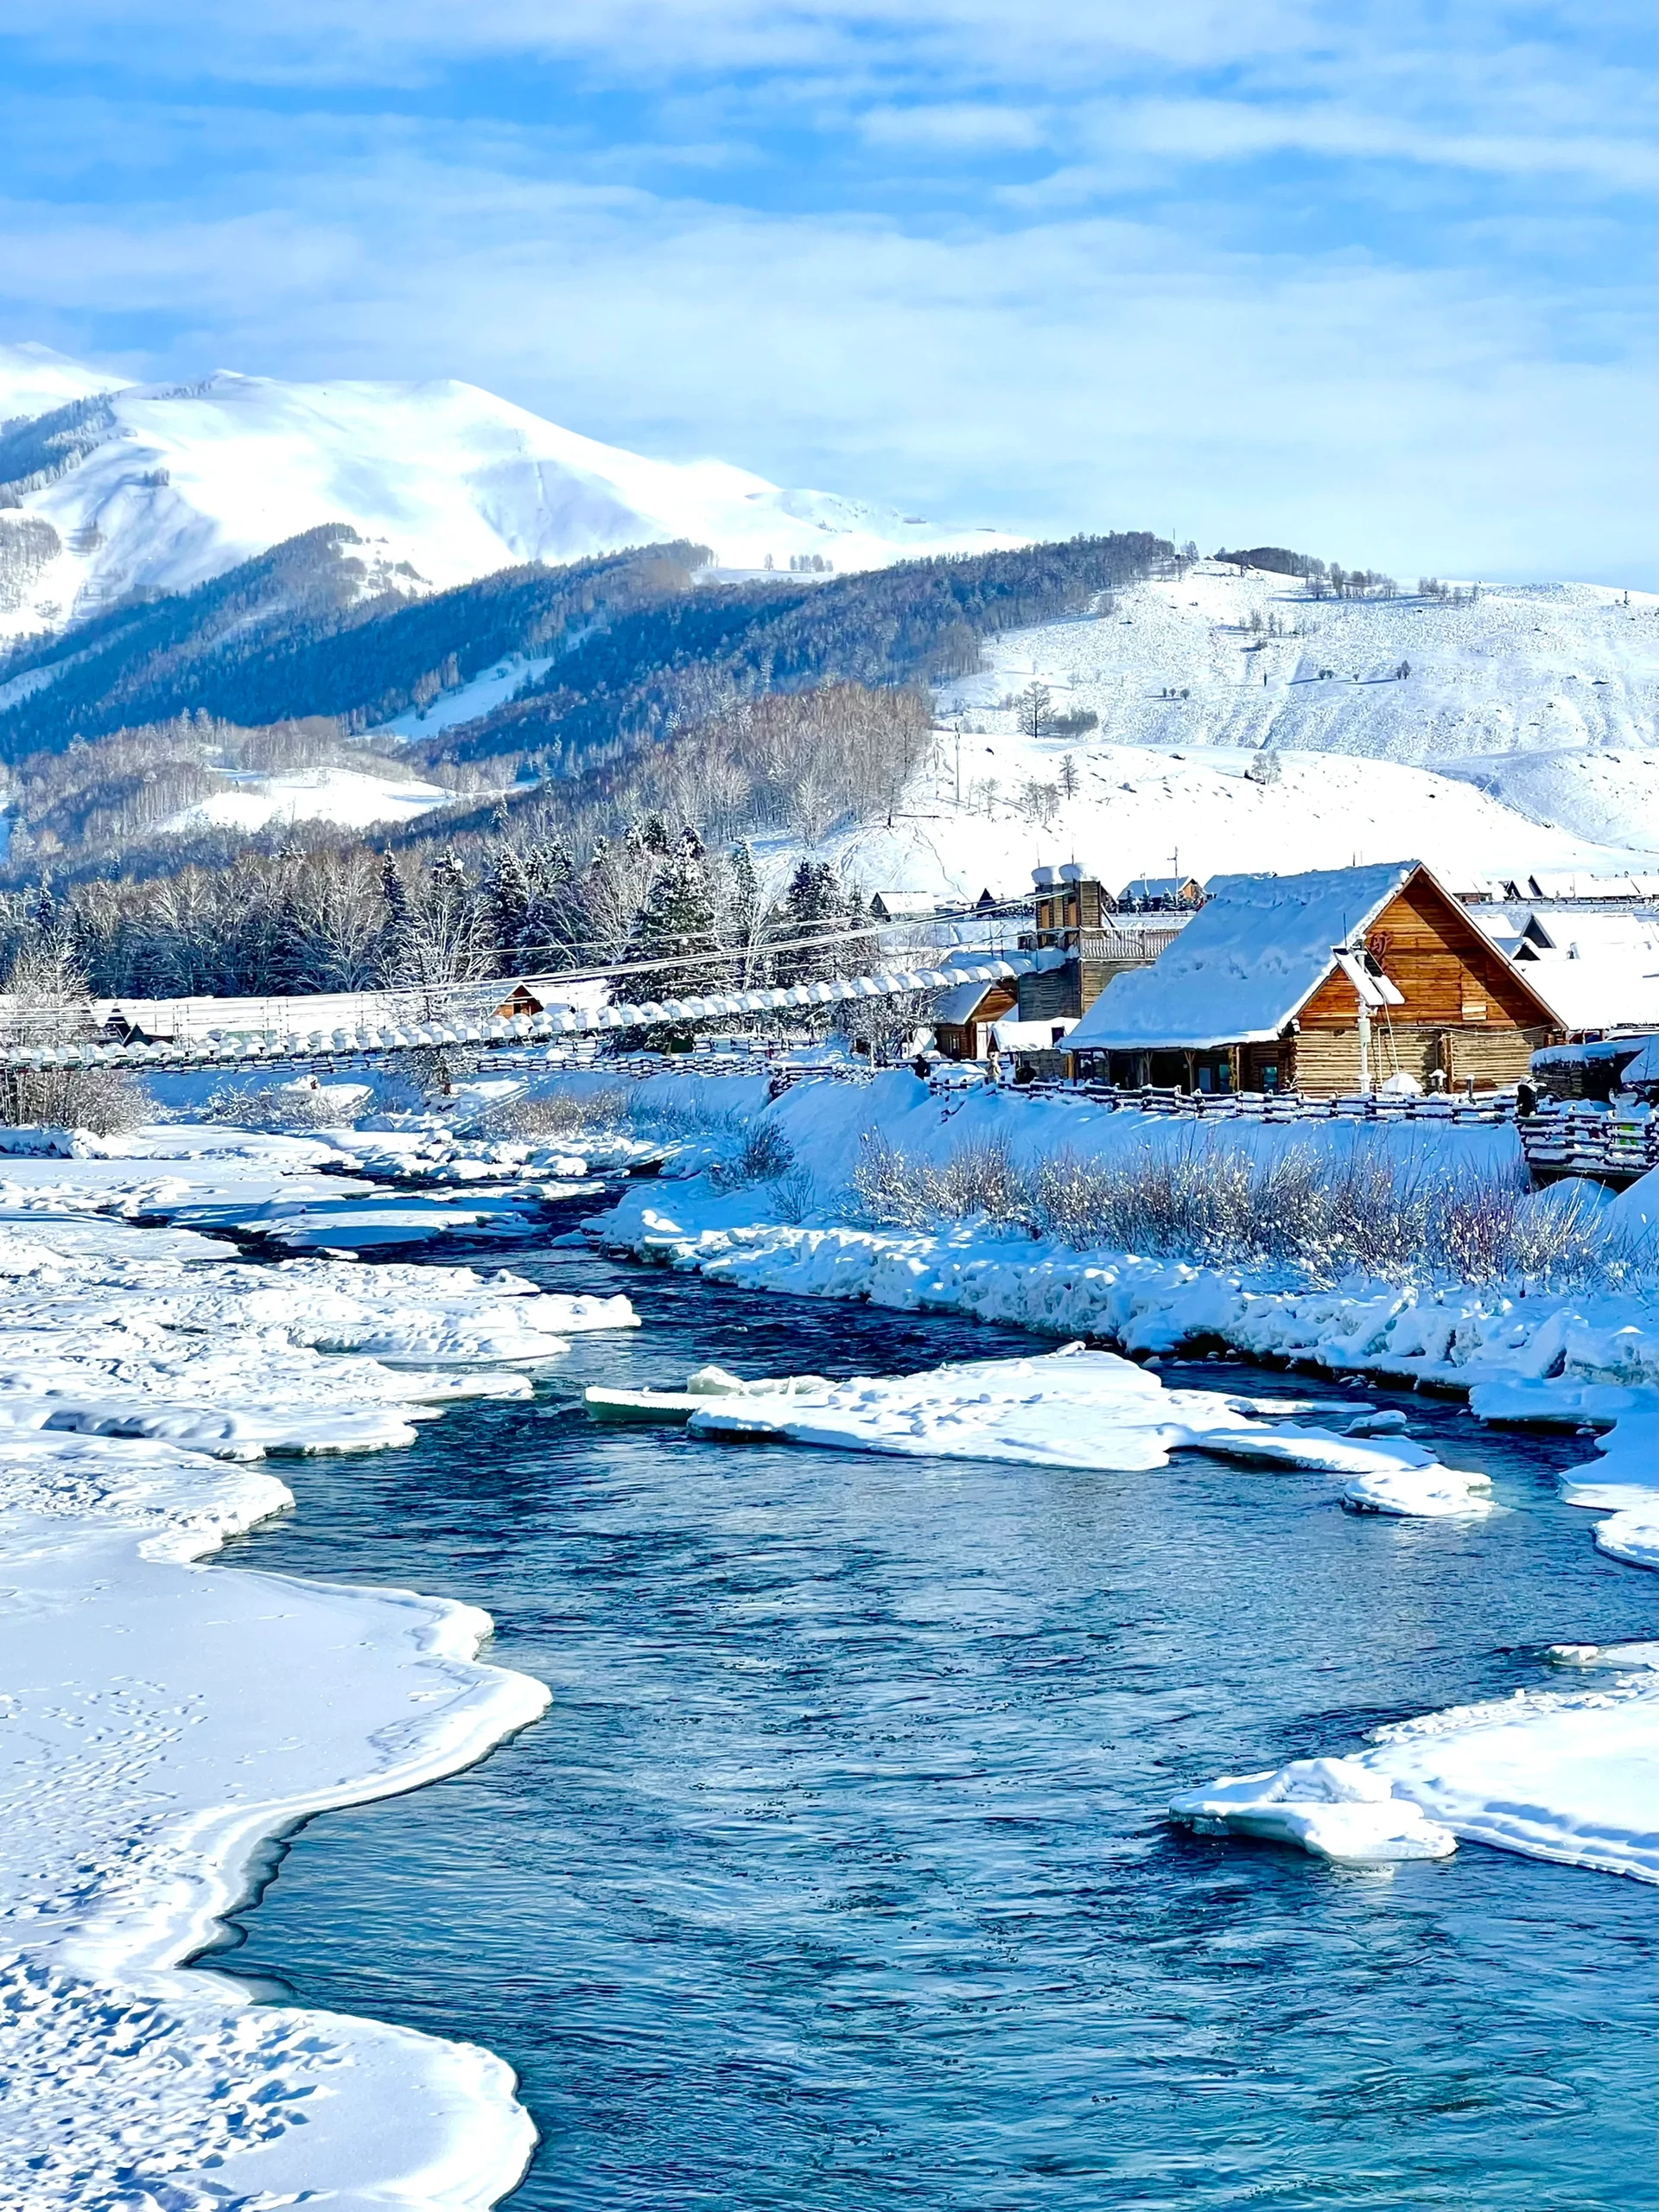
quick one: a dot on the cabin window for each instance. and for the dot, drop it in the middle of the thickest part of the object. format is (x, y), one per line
(1269, 1075)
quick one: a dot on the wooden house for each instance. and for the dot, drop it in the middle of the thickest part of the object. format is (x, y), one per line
(903, 906)
(1077, 915)
(963, 1018)
(519, 1000)
(1327, 982)
(1162, 892)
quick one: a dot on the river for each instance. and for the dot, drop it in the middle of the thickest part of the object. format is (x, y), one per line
(835, 1878)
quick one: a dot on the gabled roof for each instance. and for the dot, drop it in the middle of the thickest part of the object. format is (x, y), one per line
(962, 1005)
(1249, 958)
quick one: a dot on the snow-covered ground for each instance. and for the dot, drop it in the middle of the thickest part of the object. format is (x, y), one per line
(1137, 808)
(1543, 698)
(348, 796)
(481, 695)
(444, 482)
(167, 1720)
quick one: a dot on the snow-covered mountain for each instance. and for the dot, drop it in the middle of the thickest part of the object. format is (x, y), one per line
(33, 380)
(167, 485)
(1544, 696)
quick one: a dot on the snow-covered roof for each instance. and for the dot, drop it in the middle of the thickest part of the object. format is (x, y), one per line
(1155, 886)
(1245, 963)
(897, 903)
(962, 1004)
(1011, 1035)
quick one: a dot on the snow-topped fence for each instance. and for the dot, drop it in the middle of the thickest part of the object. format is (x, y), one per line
(1611, 1145)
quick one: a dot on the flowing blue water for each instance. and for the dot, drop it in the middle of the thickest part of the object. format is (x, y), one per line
(836, 1876)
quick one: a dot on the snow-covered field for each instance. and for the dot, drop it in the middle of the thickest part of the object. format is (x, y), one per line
(444, 482)
(346, 796)
(1543, 699)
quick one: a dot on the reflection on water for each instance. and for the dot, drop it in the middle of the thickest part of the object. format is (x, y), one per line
(835, 1878)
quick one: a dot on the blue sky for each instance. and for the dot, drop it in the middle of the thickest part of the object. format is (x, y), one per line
(1372, 280)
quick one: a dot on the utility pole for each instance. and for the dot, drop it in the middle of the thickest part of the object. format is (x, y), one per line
(957, 728)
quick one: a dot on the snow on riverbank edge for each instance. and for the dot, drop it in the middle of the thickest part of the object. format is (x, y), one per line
(170, 1719)
(1587, 1360)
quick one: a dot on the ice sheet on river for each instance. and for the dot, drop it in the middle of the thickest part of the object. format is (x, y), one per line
(1571, 1776)
(1073, 1408)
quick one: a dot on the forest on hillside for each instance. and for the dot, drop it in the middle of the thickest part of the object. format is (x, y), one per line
(673, 723)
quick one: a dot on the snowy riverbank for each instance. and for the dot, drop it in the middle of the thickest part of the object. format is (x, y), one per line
(168, 1720)
(173, 1717)
(1521, 1351)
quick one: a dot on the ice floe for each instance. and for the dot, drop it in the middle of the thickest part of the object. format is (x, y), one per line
(1074, 1407)
(1336, 1808)
(1571, 1775)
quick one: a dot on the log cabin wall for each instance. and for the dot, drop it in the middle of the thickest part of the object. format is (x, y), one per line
(1053, 995)
(1450, 973)
(1326, 1061)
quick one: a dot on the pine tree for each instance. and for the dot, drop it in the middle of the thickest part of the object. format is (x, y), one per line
(397, 934)
(507, 900)
(812, 908)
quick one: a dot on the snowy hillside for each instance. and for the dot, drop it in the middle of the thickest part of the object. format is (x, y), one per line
(33, 380)
(169, 485)
(346, 796)
(1546, 695)
(1138, 806)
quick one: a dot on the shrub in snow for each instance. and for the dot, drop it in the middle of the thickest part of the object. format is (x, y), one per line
(273, 1108)
(553, 1113)
(766, 1154)
(101, 1099)
(1326, 1218)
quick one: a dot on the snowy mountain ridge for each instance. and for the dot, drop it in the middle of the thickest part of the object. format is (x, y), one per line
(114, 489)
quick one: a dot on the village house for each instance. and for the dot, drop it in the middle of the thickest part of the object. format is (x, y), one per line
(1075, 914)
(1159, 893)
(1599, 971)
(963, 1018)
(1333, 981)
(903, 905)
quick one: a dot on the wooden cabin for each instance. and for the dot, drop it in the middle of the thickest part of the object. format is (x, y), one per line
(1162, 892)
(963, 1018)
(1077, 915)
(519, 1000)
(903, 906)
(1327, 982)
